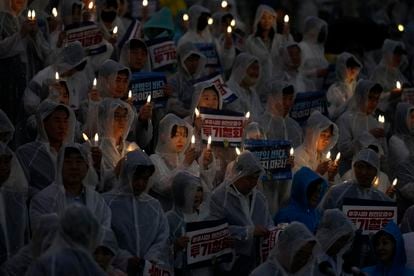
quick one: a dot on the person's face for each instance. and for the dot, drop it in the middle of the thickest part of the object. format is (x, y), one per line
(338, 245)
(103, 258)
(198, 198)
(74, 168)
(17, 5)
(5, 167)
(314, 195)
(396, 60)
(385, 248)
(266, 21)
(351, 73)
(372, 102)
(246, 183)
(120, 121)
(57, 126)
(253, 70)
(287, 103)
(119, 87)
(302, 256)
(295, 56)
(364, 173)
(140, 181)
(137, 59)
(192, 63)
(180, 139)
(324, 139)
(411, 120)
(209, 99)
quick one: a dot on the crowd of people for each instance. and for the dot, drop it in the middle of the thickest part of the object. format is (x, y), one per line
(94, 181)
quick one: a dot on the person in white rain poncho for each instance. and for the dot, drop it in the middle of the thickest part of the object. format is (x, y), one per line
(114, 122)
(340, 92)
(173, 151)
(71, 250)
(13, 211)
(191, 63)
(244, 207)
(134, 55)
(405, 186)
(264, 42)
(244, 77)
(359, 119)
(56, 125)
(199, 33)
(138, 220)
(70, 186)
(366, 167)
(295, 253)
(6, 128)
(189, 206)
(314, 63)
(321, 136)
(70, 64)
(335, 234)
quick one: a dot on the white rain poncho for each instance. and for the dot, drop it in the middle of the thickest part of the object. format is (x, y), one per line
(407, 222)
(266, 53)
(68, 58)
(352, 189)
(313, 51)
(107, 75)
(306, 155)
(124, 58)
(290, 241)
(226, 56)
(139, 223)
(291, 75)
(247, 99)
(70, 252)
(341, 91)
(355, 122)
(13, 210)
(54, 199)
(333, 226)
(242, 212)
(38, 158)
(405, 187)
(183, 81)
(167, 160)
(6, 128)
(401, 144)
(275, 124)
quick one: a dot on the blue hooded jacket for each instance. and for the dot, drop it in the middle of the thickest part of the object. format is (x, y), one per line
(400, 259)
(298, 208)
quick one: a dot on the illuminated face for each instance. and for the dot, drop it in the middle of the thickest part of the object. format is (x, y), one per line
(266, 21)
(191, 64)
(324, 139)
(351, 73)
(209, 99)
(119, 87)
(179, 139)
(120, 121)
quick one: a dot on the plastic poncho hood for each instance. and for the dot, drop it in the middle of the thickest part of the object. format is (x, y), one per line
(261, 9)
(313, 26)
(300, 185)
(183, 52)
(107, 76)
(245, 164)
(125, 55)
(240, 66)
(194, 13)
(162, 19)
(184, 186)
(341, 65)
(360, 99)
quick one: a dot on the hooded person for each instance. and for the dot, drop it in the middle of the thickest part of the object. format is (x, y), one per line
(138, 221)
(71, 65)
(335, 234)
(23, 50)
(244, 208)
(6, 128)
(357, 120)
(71, 250)
(188, 207)
(314, 63)
(308, 189)
(56, 126)
(69, 187)
(365, 166)
(173, 151)
(190, 67)
(295, 253)
(199, 33)
(265, 42)
(243, 82)
(321, 135)
(135, 56)
(13, 210)
(389, 249)
(342, 90)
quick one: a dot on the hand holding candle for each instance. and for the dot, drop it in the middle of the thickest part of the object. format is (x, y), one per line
(209, 142)
(96, 140)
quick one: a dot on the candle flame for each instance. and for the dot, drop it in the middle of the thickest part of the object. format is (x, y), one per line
(238, 151)
(54, 12)
(33, 15)
(197, 112)
(56, 76)
(292, 151)
(398, 85)
(115, 30)
(286, 19)
(394, 182)
(96, 138)
(94, 83)
(328, 155)
(224, 4)
(338, 156)
(129, 94)
(144, 3)
(186, 17)
(149, 98)
(29, 14)
(229, 29)
(193, 139)
(381, 119)
(209, 140)
(247, 116)
(90, 5)
(210, 21)
(401, 27)
(85, 137)
(233, 23)
(376, 181)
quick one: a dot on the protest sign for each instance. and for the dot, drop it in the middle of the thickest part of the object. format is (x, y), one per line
(217, 80)
(267, 244)
(162, 53)
(207, 243)
(225, 127)
(274, 156)
(210, 52)
(151, 269)
(307, 102)
(408, 95)
(89, 36)
(145, 84)
(369, 215)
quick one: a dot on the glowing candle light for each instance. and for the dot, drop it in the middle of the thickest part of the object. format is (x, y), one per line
(130, 148)
(328, 155)
(400, 27)
(229, 29)
(33, 15)
(29, 15)
(192, 140)
(96, 139)
(338, 156)
(209, 142)
(233, 23)
(197, 112)
(224, 4)
(376, 181)
(286, 19)
(56, 76)
(90, 5)
(144, 3)
(292, 151)
(210, 21)
(186, 17)
(394, 182)
(381, 119)
(398, 85)
(94, 83)
(149, 98)
(238, 151)
(85, 137)
(129, 94)
(54, 12)
(115, 30)
(247, 116)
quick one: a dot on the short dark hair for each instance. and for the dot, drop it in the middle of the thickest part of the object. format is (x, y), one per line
(141, 170)
(135, 44)
(377, 89)
(72, 151)
(352, 63)
(111, 4)
(175, 129)
(58, 108)
(288, 90)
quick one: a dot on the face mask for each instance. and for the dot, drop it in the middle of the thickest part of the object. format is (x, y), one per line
(108, 16)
